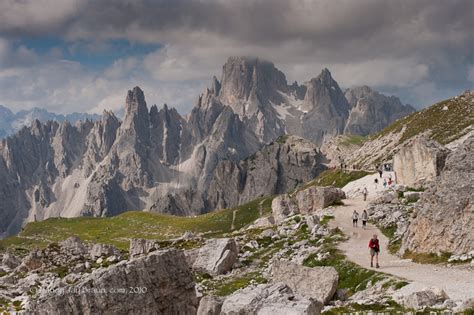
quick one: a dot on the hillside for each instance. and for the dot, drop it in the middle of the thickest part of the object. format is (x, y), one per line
(445, 122)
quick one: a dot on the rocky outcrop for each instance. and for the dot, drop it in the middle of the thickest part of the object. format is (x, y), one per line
(163, 274)
(269, 299)
(305, 201)
(217, 256)
(420, 159)
(445, 212)
(318, 283)
(315, 198)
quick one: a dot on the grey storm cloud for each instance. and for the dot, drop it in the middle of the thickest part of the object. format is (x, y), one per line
(421, 49)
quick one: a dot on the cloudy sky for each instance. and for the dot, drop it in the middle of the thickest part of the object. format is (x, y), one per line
(83, 55)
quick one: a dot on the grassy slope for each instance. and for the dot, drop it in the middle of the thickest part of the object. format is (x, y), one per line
(120, 229)
(445, 125)
(336, 178)
(135, 224)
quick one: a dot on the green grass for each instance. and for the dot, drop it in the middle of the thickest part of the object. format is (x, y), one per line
(120, 229)
(337, 178)
(231, 285)
(445, 126)
(391, 307)
(350, 140)
(427, 258)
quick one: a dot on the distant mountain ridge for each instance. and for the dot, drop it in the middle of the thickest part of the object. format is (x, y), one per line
(227, 151)
(11, 122)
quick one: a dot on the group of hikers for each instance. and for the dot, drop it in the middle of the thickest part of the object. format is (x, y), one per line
(374, 245)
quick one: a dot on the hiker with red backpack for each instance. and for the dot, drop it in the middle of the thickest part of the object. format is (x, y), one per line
(374, 248)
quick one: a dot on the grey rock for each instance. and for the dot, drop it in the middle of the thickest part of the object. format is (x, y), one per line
(100, 250)
(419, 159)
(425, 298)
(165, 275)
(312, 221)
(319, 283)
(141, 246)
(217, 256)
(316, 198)
(74, 246)
(269, 299)
(445, 211)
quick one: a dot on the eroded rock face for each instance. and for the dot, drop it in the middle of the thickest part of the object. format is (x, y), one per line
(165, 275)
(217, 256)
(277, 168)
(444, 215)
(319, 283)
(269, 299)
(418, 160)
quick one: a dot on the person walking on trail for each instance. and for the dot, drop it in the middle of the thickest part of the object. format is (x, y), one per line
(364, 218)
(355, 218)
(384, 183)
(380, 172)
(374, 248)
(365, 192)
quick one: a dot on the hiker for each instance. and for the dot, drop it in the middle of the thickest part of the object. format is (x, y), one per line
(376, 183)
(389, 182)
(380, 172)
(355, 218)
(364, 218)
(384, 183)
(374, 251)
(365, 192)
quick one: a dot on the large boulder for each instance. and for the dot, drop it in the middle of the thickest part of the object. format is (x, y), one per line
(420, 159)
(163, 280)
(269, 299)
(217, 256)
(319, 283)
(103, 250)
(282, 207)
(73, 245)
(443, 217)
(305, 202)
(425, 298)
(140, 246)
(316, 198)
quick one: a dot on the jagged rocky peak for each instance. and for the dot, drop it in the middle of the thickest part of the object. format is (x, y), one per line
(136, 113)
(323, 92)
(372, 111)
(250, 79)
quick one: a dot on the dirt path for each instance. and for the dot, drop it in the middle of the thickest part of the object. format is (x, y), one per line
(457, 283)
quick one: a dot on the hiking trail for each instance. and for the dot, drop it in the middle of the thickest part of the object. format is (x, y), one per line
(456, 281)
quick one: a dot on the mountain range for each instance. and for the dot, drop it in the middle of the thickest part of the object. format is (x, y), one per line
(250, 134)
(11, 122)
